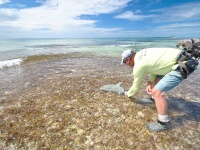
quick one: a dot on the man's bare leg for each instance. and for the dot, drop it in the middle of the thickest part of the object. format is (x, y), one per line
(160, 101)
(163, 121)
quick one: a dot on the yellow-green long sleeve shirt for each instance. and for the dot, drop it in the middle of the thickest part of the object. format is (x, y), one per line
(152, 61)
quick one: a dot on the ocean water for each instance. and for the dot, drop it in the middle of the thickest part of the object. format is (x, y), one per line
(50, 89)
(14, 51)
(24, 62)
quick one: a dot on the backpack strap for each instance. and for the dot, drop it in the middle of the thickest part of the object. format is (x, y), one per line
(181, 61)
(192, 41)
(183, 69)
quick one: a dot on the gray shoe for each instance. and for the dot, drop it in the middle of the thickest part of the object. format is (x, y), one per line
(158, 126)
(147, 101)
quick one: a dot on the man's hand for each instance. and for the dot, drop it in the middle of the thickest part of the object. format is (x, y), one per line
(149, 87)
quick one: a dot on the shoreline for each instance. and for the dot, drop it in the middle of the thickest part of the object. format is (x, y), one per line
(57, 103)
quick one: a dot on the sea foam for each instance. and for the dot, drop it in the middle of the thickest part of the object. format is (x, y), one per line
(10, 63)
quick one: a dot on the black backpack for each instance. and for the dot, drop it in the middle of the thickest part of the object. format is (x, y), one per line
(192, 46)
(190, 55)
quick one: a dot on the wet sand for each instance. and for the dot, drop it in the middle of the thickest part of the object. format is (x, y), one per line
(57, 104)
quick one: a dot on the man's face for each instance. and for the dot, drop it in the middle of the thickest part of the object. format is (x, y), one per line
(130, 61)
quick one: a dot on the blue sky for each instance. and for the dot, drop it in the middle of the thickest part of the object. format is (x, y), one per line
(99, 18)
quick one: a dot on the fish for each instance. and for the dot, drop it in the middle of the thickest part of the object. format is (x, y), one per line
(113, 88)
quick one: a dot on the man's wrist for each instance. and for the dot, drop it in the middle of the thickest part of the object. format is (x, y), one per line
(149, 83)
(125, 93)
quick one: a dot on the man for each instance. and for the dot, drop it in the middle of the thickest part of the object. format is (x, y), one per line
(161, 66)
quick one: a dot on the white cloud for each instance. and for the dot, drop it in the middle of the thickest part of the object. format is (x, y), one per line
(60, 14)
(180, 25)
(4, 1)
(8, 14)
(61, 18)
(129, 15)
(187, 11)
(64, 18)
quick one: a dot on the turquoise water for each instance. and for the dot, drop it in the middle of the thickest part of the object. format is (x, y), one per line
(13, 51)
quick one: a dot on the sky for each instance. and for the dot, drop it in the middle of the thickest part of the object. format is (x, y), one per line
(99, 18)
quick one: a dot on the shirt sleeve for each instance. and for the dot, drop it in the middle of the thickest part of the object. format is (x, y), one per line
(138, 74)
(152, 77)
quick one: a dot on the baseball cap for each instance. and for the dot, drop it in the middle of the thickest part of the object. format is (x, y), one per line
(126, 54)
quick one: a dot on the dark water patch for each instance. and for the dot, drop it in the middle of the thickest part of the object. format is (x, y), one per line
(184, 110)
(53, 46)
(44, 57)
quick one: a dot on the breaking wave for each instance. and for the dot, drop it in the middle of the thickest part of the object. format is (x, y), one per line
(10, 63)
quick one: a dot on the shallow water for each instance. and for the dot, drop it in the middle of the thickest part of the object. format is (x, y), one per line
(58, 99)
(54, 95)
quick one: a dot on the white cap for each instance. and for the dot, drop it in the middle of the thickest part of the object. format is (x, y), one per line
(126, 54)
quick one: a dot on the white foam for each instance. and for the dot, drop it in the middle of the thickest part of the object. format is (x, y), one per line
(10, 63)
(129, 45)
(124, 45)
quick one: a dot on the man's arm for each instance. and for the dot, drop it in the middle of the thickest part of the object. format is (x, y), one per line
(138, 73)
(152, 77)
